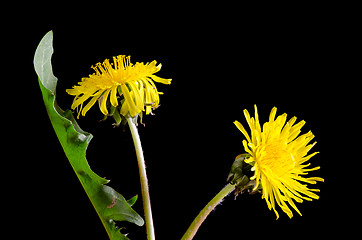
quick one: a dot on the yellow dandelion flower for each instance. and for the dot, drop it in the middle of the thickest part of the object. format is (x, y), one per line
(130, 87)
(279, 159)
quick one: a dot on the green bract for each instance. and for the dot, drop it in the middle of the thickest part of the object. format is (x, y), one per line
(109, 204)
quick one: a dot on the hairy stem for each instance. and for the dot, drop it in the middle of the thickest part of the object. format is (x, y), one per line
(143, 178)
(195, 225)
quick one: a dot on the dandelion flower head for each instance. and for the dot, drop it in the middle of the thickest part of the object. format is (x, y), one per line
(279, 157)
(130, 87)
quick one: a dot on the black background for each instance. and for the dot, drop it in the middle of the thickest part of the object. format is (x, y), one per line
(222, 59)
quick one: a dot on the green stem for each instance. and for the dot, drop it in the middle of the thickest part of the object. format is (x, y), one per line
(195, 225)
(143, 178)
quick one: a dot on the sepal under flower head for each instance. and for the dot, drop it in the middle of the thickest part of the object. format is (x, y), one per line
(240, 174)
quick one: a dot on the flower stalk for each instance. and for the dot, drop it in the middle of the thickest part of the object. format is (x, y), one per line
(143, 179)
(195, 225)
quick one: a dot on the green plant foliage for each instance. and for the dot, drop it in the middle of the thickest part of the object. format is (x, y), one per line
(109, 204)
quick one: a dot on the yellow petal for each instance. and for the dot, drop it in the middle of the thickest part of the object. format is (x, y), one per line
(90, 103)
(137, 96)
(124, 109)
(79, 100)
(113, 98)
(129, 100)
(104, 102)
(161, 80)
(257, 124)
(272, 114)
(242, 129)
(73, 91)
(246, 148)
(248, 119)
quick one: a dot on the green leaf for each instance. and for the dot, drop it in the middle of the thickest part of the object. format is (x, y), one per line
(132, 201)
(109, 204)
